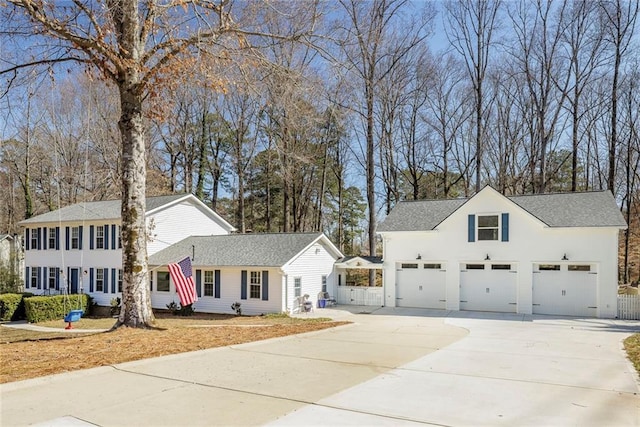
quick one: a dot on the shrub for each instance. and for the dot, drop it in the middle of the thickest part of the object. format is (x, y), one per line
(12, 306)
(178, 310)
(173, 308)
(236, 307)
(114, 308)
(43, 308)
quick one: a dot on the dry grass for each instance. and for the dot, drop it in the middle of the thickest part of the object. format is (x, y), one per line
(632, 346)
(27, 354)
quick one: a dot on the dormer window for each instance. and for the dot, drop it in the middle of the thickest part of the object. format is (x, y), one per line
(487, 227)
(494, 227)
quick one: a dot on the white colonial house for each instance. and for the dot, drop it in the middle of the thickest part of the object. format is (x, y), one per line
(79, 246)
(550, 254)
(78, 249)
(264, 272)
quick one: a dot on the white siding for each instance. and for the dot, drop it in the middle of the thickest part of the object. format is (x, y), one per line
(177, 222)
(83, 260)
(310, 266)
(530, 242)
(230, 281)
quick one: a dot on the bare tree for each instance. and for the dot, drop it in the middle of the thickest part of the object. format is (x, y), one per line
(370, 59)
(619, 18)
(470, 29)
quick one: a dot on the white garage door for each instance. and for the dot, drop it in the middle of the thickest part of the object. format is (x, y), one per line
(421, 285)
(568, 290)
(488, 287)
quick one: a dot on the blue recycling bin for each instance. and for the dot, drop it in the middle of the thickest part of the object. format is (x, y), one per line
(322, 303)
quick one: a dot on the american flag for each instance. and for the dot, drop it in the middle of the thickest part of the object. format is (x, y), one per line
(182, 277)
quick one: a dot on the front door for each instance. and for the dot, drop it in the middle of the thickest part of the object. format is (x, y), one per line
(74, 280)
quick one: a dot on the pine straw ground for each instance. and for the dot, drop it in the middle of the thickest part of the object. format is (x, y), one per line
(26, 355)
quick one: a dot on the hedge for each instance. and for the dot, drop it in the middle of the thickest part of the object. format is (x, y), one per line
(12, 306)
(43, 308)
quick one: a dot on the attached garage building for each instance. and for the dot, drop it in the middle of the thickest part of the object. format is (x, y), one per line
(552, 254)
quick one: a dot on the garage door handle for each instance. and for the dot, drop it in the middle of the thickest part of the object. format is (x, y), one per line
(442, 300)
(513, 303)
(536, 304)
(463, 301)
(592, 307)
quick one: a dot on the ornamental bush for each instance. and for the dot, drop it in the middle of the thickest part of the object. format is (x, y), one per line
(43, 308)
(12, 306)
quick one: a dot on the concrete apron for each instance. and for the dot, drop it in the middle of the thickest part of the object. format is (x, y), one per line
(247, 384)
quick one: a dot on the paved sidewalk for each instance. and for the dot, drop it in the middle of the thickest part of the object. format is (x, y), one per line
(390, 367)
(23, 324)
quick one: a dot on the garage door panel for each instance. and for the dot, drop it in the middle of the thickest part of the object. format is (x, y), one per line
(488, 289)
(421, 287)
(569, 291)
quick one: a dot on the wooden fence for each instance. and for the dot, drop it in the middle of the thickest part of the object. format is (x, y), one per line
(629, 307)
(360, 295)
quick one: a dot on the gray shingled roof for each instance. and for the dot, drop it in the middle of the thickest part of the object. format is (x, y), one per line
(589, 209)
(259, 250)
(419, 215)
(106, 209)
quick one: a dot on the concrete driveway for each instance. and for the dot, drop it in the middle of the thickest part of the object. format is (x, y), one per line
(390, 367)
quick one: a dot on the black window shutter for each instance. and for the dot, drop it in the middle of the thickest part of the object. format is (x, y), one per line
(265, 285)
(67, 238)
(505, 227)
(243, 284)
(91, 236)
(216, 286)
(27, 241)
(472, 228)
(91, 280)
(199, 283)
(80, 237)
(57, 238)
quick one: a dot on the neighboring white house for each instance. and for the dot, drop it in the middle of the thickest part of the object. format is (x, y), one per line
(544, 254)
(264, 272)
(11, 254)
(79, 246)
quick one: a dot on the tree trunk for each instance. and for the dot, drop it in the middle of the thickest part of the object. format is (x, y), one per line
(136, 300)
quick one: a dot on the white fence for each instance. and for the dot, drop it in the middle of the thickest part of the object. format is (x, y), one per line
(629, 307)
(360, 295)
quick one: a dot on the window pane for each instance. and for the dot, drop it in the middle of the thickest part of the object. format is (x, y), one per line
(488, 221)
(208, 290)
(475, 266)
(297, 286)
(409, 266)
(433, 266)
(487, 234)
(579, 268)
(501, 266)
(163, 281)
(549, 267)
(254, 291)
(208, 277)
